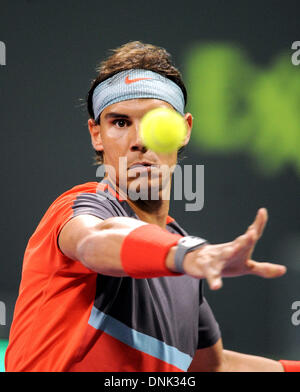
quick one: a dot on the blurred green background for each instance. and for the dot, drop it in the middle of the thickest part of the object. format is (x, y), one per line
(244, 107)
(244, 94)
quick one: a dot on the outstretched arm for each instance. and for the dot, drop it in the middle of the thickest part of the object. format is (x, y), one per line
(98, 245)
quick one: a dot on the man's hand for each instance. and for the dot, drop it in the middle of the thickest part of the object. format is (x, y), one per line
(213, 262)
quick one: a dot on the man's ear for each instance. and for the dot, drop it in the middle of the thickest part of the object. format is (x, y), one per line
(189, 123)
(96, 139)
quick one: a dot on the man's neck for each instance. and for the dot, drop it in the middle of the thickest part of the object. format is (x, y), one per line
(150, 211)
(154, 212)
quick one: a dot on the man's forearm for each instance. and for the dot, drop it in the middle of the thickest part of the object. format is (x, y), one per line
(237, 362)
(120, 246)
(100, 251)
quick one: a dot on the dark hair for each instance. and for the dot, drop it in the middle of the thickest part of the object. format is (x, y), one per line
(135, 55)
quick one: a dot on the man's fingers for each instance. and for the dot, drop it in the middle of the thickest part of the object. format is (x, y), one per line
(214, 282)
(244, 242)
(260, 222)
(265, 270)
(213, 277)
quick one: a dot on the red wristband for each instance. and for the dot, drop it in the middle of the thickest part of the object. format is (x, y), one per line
(290, 366)
(144, 251)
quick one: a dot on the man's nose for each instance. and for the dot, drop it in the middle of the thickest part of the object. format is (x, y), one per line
(137, 143)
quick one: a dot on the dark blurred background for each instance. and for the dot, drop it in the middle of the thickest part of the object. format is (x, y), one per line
(52, 50)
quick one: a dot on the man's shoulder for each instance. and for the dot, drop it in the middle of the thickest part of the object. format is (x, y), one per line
(89, 187)
(72, 193)
(93, 198)
(65, 201)
(80, 199)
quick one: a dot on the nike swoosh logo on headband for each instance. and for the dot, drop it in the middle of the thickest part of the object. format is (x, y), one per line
(129, 81)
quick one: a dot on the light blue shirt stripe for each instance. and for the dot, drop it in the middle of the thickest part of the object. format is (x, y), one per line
(138, 340)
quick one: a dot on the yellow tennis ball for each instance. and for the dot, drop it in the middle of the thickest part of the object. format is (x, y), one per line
(163, 130)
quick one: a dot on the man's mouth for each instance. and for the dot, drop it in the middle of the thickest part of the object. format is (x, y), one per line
(142, 166)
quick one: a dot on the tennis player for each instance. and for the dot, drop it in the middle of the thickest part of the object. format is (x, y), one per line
(111, 282)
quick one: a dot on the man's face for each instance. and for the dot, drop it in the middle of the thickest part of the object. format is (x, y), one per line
(126, 159)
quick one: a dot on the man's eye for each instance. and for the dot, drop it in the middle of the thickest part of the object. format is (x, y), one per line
(120, 123)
